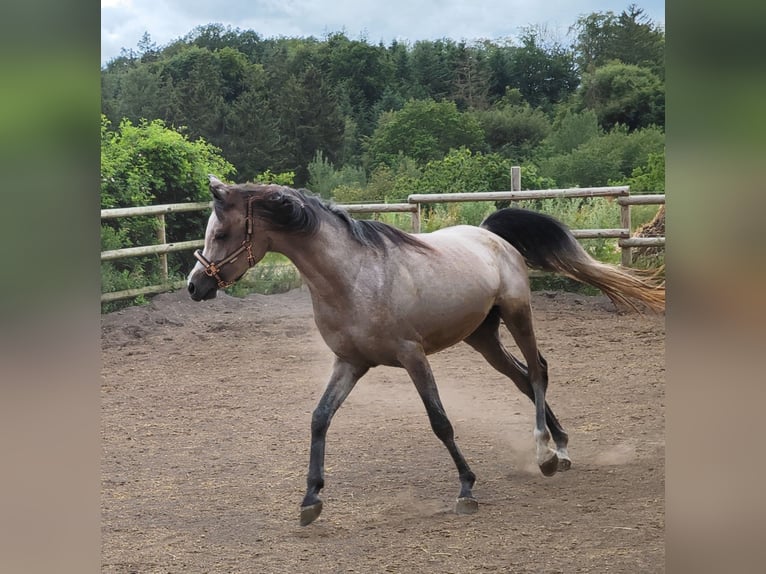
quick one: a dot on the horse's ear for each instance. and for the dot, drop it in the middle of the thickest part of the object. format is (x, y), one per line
(277, 196)
(218, 188)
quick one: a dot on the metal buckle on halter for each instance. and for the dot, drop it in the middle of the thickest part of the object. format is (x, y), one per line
(211, 270)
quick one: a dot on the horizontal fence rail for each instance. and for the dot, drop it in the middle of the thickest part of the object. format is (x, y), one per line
(151, 290)
(648, 199)
(519, 195)
(412, 206)
(151, 249)
(154, 209)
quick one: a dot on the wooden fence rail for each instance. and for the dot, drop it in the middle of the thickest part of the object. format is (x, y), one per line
(413, 206)
(513, 195)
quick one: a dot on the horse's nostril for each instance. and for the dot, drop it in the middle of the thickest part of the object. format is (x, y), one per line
(190, 287)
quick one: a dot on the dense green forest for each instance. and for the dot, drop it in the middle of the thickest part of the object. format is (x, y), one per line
(356, 121)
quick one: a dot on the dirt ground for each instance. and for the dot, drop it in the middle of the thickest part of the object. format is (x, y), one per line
(206, 410)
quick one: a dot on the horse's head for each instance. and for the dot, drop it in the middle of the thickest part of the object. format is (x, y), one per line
(233, 243)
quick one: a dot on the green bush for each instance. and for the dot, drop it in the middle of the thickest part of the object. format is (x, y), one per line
(424, 130)
(285, 178)
(609, 157)
(148, 164)
(513, 131)
(462, 170)
(624, 94)
(573, 129)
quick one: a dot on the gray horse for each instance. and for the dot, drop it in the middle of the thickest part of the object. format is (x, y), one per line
(385, 297)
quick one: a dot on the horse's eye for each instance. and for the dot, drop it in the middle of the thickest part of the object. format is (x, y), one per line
(220, 235)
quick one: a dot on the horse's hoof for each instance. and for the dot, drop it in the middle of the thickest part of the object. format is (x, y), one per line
(550, 466)
(564, 464)
(466, 505)
(310, 513)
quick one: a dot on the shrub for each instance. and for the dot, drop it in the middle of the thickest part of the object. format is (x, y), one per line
(513, 131)
(146, 164)
(424, 130)
(573, 129)
(324, 178)
(612, 156)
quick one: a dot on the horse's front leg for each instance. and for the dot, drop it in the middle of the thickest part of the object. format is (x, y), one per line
(344, 377)
(414, 360)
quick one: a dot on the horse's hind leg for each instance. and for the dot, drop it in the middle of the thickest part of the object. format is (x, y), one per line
(344, 377)
(517, 316)
(414, 360)
(486, 341)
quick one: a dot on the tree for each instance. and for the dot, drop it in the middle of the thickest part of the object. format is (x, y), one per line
(140, 94)
(147, 50)
(499, 58)
(252, 136)
(150, 163)
(360, 70)
(210, 37)
(513, 131)
(630, 38)
(432, 71)
(423, 130)
(399, 62)
(543, 72)
(197, 79)
(471, 79)
(624, 94)
(320, 125)
(273, 103)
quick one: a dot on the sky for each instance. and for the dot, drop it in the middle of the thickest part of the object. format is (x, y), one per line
(124, 22)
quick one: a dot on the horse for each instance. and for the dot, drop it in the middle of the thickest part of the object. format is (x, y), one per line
(382, 296)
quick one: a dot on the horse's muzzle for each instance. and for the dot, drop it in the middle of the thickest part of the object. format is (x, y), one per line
(203, 289)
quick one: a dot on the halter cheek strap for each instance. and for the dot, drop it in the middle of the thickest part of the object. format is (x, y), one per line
(213, 268)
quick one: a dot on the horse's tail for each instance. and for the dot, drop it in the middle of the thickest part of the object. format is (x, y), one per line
(547, 244)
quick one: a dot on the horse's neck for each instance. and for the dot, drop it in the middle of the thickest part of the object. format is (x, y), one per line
(328, 260)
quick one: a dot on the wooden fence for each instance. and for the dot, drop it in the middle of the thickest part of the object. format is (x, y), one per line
(413, 206)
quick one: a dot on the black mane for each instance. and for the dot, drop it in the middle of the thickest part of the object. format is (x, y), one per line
(299, 211)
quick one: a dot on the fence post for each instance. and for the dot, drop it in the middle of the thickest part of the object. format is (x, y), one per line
(161, 240)
(515, 178)
(416, 219)
(627, 252)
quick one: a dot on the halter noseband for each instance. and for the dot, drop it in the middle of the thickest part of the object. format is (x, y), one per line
(213, 268)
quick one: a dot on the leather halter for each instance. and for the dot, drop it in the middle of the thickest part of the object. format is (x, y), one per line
(213, 268)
